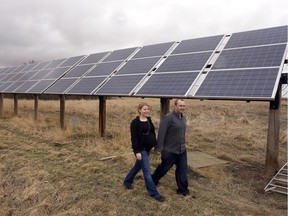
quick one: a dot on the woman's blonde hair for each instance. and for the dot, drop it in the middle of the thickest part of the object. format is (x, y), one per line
(141, 105)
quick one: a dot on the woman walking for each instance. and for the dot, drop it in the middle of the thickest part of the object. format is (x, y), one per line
(143, 139)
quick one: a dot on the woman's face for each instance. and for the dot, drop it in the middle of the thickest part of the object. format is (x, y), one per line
(144, 111)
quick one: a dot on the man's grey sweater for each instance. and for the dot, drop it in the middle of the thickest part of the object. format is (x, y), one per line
(171, 134)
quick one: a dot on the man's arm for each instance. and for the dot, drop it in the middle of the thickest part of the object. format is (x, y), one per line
(162, 133)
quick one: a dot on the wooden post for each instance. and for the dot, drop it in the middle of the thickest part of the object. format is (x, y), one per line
(165, 106)
(36, 99)
(1, 104)
(102, 115)
(16, 104)
(62, 111)
(272, 149)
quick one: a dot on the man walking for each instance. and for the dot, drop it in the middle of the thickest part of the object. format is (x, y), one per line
(171, 144)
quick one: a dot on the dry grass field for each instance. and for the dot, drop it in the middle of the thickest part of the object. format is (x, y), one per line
(48, 171)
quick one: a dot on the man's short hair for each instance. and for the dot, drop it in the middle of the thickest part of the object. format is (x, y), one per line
(176, 101)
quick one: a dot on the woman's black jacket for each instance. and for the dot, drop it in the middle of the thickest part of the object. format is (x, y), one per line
(137, 135)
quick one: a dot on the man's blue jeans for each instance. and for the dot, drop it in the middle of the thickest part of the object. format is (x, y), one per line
(167, 161)
(144, 164)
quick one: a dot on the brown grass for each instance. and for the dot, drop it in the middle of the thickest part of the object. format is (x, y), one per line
(47, 171)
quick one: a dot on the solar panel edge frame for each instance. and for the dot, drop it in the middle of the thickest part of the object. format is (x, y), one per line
(281, 68)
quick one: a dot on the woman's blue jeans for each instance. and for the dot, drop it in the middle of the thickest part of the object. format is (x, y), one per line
(143, 164)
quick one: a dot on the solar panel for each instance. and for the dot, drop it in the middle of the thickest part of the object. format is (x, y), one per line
(263, 56)
(121, 54)
(5, 85)
(198, 44)
(248, 67)
(104, 68)
(7, 77)
(41, 74)
(57, 73)
(41, 65)
(16, 76)
(153, 50)
(25, 86)
(258, 37)
(123, 82)
(13, 86)
(86, 86)
(93, 58)
(185, 62)
(11, 69)
(119, 85)
(78, 71)
(27, 76)
(167, 84)
(60, 86)
(20, 68)
(55, 63)
(40, 86)
(2, 76)
(30, 67)
(71, 61)
(136, 66)
(4, 71)
(247, 83)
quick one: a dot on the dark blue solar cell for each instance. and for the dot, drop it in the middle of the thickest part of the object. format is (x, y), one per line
(27, 76)
(185, 62)
(60, 86)
(14, 86)
(11, 69)
(119, 85)
(86, 86)
(30, 67)
(2, 76)
(25, 86)
(71, 61)
(137, 66)
(55, 63)
(40, 66)
(40, 87)
(7, 77)
(153, 50)
(120, 54)
(256, 83)
(258, 37)
(94, 58)
(79, 70)
(16, 76)
(20, 68)
(264, 56)
(168, 84)
(104, 68)
(40, 74)
(57, 73)
(198, 44)
(5, 85)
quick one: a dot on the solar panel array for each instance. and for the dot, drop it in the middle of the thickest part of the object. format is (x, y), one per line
(242, 66)
(249, 66)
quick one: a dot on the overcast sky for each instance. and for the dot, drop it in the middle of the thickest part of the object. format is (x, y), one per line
(44, 30)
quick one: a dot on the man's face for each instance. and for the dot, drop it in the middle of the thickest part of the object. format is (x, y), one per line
(180, 107)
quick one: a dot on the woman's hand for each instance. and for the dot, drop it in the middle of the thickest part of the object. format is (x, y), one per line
(138, 156)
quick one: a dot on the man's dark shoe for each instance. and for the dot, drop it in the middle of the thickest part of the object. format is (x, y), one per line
(187, 194)
(159, 198)
(128, 187)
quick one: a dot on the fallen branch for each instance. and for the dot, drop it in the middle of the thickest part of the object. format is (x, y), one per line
(114, 156)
